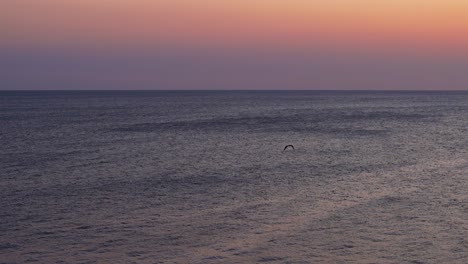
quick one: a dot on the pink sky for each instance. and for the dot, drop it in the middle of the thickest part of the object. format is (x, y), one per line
(210, 44)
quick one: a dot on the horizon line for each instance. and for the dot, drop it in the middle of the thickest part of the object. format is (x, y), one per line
(228, 90)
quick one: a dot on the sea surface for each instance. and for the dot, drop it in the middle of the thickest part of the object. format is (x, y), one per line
(201, 177)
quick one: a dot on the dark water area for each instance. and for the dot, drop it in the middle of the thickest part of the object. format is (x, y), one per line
(200, 177)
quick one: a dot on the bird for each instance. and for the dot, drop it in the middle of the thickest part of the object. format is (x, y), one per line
(285, 148)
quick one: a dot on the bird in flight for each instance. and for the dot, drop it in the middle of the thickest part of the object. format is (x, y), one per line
(285, 148)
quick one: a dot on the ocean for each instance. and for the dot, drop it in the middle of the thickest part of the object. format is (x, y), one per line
(201, 177)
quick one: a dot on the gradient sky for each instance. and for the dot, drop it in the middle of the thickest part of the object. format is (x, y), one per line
(234, 44)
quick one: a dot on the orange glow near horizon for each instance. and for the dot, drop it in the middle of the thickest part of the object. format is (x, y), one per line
(402, 24)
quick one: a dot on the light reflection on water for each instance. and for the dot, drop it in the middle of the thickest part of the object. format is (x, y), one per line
(200, 177)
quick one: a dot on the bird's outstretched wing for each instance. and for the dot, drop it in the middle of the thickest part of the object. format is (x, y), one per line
(288, 147)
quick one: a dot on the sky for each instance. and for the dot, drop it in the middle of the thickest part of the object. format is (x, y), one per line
(234, 44)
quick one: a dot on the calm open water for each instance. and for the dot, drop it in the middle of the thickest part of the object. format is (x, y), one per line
(200, 177)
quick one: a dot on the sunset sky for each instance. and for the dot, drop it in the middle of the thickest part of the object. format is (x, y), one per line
(234, 44)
